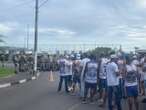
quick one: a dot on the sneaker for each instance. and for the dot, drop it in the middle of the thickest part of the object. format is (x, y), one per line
(101, 101)
(84, 101)
(144, 100)
(101, 105)
(70, 89)
(92, 102)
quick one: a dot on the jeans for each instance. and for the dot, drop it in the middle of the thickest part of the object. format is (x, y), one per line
(145, 84)
(69, 80)
(122, 88)
(114, 90)
(65, 78)
(82, 90)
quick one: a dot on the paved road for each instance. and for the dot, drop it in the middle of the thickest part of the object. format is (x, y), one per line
(40, 95)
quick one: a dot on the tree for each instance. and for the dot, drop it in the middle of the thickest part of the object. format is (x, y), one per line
(101, 51)
(2, 51)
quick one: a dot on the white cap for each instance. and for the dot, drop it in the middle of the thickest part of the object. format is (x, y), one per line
(134, 56)
(78, 56)
(113, 56)
(66, 56)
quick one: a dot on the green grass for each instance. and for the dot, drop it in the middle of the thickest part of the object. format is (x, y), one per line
(4, 72)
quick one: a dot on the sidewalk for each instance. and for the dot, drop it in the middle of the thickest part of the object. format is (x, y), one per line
(16, 79)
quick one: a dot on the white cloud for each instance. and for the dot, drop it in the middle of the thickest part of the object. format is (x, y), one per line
(103, 21)
(5, 29)
(141, 3)
(137, 34)
(55, 31)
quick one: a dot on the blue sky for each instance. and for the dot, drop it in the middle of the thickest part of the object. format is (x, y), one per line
(75, 21)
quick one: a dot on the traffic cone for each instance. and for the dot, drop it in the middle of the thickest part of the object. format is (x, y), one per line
(51, 78)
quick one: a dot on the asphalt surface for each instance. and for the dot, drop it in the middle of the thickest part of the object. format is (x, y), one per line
(42, 95)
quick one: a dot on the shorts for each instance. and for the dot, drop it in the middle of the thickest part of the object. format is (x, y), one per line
(76, 79)
(102, 84)
(132, 91)
(90, 85)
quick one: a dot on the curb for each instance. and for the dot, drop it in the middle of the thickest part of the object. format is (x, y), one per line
(19, 81)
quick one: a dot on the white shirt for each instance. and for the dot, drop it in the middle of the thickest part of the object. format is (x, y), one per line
(68, 67)
(61, 63)
(83, 64)
(131, 79)
(91, 73)
(84, 61)
(112, 78)
(62, 70)
(102, 73)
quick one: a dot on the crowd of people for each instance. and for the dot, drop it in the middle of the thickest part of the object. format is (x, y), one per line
(108, 78)
(23, 63)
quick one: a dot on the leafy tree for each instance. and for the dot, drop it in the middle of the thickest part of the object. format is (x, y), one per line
(99, 51)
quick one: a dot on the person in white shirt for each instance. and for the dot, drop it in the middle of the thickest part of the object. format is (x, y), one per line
(113, 83)
(136, 63)
(69, 72)
(131, 84)
(62, 62)
(102, 75)
(83, 64)
(76, 73)
(90, 78)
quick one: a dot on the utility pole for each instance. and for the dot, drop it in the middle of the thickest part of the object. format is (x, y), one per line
(36, 36)
(27, 36)
(24, 42)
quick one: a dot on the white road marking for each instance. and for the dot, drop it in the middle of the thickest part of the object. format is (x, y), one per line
(5, 85)
(33, 78)
(22, 81)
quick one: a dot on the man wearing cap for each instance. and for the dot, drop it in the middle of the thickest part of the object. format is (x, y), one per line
(113, 83)
(69, 72)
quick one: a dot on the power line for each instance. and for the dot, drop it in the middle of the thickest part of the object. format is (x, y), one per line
(43, 3)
